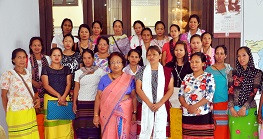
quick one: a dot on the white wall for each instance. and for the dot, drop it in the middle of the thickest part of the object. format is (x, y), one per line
(19, 21)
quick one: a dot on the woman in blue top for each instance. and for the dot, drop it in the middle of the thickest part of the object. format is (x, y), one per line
(220, 70)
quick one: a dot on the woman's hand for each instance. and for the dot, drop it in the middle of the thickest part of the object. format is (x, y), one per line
(150, 105)
(96, 120)
(156, 106)
(62, 100)
(74, 108)
(233, 112)
(192, 109)
(259, 117)
(242, 111)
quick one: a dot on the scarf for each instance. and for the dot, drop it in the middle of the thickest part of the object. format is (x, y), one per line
(153, 121)
(144, 57)
(246, 85)
(87, 71)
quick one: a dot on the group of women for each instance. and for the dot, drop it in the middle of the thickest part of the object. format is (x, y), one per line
(124, 87)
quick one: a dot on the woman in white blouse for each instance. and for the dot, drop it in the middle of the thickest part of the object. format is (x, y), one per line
(86, 83)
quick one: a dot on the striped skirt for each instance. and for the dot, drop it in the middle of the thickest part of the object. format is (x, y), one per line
(198, 127)
(83, 123)
(221, 120)
(57, 129)
(22, 124)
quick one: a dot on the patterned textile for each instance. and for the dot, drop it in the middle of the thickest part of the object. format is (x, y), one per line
(18, 95)
(160, 43)
(123, 44)
(198, 127)
(176, 123)
(220, 112)
(83, 124)
(245, 127)
(73, 62)
(22, 128)
(101, 63)
(194, 89)
(35, 74)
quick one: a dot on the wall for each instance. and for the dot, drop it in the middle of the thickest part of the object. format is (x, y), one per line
(19, 22)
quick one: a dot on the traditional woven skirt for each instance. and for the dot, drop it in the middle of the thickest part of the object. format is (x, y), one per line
(57, 129)
(83, 123)
(139, 117)
(22, 124)
(220, 112)
(244, 127)
(198, 127)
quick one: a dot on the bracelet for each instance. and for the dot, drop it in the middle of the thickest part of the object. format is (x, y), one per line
(134, 112)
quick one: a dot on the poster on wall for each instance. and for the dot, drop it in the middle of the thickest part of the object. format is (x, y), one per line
(227, 18)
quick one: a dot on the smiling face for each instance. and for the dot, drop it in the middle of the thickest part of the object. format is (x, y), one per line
(146, 36)
(117, 28)
(84, 33)
(36, 47)
(243, 58)
(193, 24)
(134, 58)
(116, 64)
(196, 63)
(103, 46)
(68, 43)
(87, 59)
(179, 51)
(96, 29)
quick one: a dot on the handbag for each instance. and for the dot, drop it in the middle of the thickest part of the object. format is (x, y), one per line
(55, 111)
(36, 100)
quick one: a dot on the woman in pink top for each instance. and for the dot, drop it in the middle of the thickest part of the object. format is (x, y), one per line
(207, 49)
(169, 46)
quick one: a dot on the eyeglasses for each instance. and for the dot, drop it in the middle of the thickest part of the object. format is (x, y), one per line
(113, 63)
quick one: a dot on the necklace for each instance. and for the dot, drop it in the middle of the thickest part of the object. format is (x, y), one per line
(178, 75)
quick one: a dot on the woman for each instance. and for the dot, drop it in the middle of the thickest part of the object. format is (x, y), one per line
(160, 39)
(56, 80)
(136, 40)
(206, 45)
(66, 27)
(84, 39)
(169, 47)
(196, 46)
(196, 95)
(70, 58)
(134, 57)
(86, 78)
(16, 86)
(119, 42)
(243, 84)
(220, 70)
(180, 68)
(115, 103)
(96, 30)
(154, 86)
(146, 37)
(193, 23)
(37, 60)
(100, 58)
